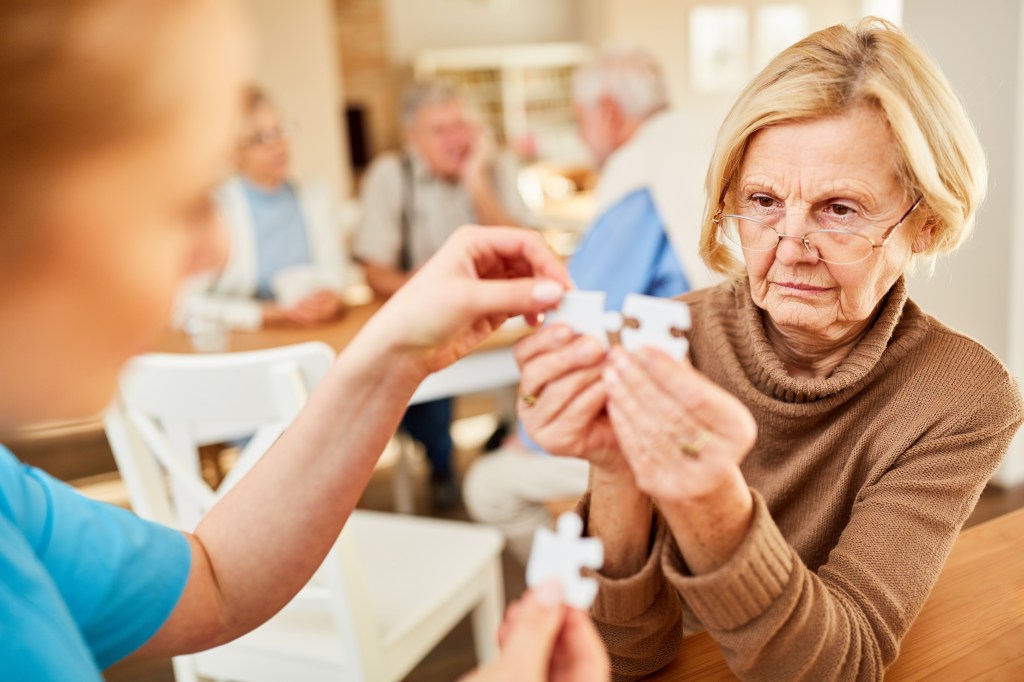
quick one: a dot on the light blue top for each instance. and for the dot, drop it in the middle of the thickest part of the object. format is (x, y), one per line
(82, 583)
(626, 251)
(279, 230)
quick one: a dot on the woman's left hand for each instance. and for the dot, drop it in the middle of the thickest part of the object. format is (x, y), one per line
(477, 280)
(683, 435)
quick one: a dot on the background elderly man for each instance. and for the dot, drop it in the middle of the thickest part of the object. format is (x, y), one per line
(448, 175)
(624, 119)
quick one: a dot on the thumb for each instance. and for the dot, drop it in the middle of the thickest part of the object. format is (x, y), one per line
(531, 638)
(519, 296)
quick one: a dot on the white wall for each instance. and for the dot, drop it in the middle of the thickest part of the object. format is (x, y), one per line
(980, 289)
(421, 24)
(298, 65)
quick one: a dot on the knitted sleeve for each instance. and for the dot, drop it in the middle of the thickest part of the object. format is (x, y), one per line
(638, 616)
(776, 619)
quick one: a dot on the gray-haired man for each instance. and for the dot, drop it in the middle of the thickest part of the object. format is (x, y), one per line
(447, 175)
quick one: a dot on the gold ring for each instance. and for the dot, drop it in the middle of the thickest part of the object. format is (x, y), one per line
(694, 448)
(529, 399)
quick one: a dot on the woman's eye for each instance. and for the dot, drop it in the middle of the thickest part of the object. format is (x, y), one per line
(841, 210)
(762, 201)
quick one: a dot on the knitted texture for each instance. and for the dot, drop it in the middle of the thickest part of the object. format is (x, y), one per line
(861, 483)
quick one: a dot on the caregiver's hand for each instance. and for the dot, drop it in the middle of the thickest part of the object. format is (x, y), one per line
(684, 438)
(562, 397)
(477, 280)
(544, 641)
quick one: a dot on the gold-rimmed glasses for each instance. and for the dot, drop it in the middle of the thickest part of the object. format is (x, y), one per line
(835, 246)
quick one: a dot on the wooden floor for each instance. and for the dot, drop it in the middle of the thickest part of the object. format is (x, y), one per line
(86, 457)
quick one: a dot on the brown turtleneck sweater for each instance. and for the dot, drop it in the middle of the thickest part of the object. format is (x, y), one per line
(861, 483)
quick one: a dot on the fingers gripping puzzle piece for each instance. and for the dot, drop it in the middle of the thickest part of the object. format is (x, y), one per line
(561, 555)
(644, 321)
(583, 312)
(658, 322)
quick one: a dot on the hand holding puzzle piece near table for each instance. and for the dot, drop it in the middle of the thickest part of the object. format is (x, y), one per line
(644, 321)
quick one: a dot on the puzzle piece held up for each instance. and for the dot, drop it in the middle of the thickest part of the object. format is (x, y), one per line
(561, 555)
(583, 312)
(644, 321)
(659, 322)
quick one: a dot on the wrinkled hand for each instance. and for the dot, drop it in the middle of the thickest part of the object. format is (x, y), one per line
(659, 406)
(561, 374)
(542, 640)
(478, 279)
(322, 306)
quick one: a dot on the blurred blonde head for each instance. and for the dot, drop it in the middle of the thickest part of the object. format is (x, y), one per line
(119, 117)
(833, 71)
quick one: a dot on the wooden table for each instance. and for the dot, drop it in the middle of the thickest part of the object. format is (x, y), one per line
(971, 627)
(489, 366)
(336, 334)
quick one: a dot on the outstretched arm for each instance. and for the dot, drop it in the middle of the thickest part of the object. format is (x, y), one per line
(263, 541)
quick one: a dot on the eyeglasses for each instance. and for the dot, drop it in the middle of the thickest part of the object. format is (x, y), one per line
(838, 246)
(269, 136)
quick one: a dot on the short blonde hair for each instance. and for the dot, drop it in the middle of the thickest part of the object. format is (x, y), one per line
(834, 70)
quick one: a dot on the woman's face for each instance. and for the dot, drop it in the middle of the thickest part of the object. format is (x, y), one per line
(824, 172)
(120, 231)
(263, 152)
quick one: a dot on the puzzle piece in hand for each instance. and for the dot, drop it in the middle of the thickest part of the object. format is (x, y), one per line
(561, 555)
(583, 312)
(657, 322)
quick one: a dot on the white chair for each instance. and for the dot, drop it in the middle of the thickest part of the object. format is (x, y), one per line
(391, 587)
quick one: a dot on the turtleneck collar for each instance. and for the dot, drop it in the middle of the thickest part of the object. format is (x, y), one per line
(765, 370)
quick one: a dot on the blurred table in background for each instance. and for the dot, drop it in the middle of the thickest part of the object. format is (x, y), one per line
(76, 449)
(971, 627)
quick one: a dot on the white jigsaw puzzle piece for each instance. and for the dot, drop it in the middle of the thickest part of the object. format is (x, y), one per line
(584, 312)
(561, 555)
(657, 319)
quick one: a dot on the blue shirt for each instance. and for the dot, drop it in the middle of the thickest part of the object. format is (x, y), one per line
(279, 230)
(82, 583)
(626, 251)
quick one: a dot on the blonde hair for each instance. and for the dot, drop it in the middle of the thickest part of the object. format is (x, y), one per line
(834, 70)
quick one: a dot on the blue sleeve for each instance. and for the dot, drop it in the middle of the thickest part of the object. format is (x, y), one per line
(118, 576)
(627, 251)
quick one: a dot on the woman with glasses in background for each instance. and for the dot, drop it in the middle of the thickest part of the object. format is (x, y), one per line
(277, 230)
(795, 485)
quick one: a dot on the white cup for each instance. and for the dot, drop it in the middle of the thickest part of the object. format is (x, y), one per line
(294, 284)
(208, 334)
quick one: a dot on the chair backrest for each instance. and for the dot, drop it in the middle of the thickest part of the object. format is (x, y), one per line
(169, 405)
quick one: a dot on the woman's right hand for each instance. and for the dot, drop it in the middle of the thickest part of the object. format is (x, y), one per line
(562, 397)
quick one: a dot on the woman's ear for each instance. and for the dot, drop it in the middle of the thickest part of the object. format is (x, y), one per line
(925, 235)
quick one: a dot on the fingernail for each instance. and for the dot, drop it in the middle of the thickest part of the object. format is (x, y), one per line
(645, 357)
(620, 359)
(549, 593)
(563, 333)
(548, 292)
(611, 376)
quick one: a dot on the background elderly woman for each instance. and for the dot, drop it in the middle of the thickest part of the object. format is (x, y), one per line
(796, 486)
(274, 225)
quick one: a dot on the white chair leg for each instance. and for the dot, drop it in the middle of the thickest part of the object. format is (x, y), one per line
(487, 614)
(402, 481)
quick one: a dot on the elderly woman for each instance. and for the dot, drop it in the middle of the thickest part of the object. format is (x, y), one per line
(118, 117)
(795, 486)
(274, 225)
